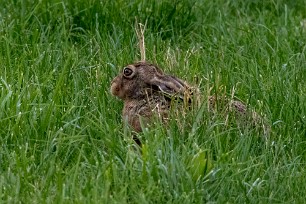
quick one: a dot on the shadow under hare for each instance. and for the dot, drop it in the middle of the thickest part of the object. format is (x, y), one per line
(147, 92)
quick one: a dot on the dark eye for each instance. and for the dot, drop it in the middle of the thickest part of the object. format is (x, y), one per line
(127, 72)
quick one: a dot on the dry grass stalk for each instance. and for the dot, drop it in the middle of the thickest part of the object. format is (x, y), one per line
(140, 30)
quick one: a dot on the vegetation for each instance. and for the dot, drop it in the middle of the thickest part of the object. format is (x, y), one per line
(61, 135)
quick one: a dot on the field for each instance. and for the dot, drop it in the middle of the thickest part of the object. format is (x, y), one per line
(61, 133)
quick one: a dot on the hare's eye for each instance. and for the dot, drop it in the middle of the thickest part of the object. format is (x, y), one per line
(127, 72)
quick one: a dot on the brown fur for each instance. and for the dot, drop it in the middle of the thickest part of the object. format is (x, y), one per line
(146, 91)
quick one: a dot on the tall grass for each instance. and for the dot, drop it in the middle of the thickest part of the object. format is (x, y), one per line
(61, 135)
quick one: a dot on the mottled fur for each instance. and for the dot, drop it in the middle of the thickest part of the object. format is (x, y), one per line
(146, 91)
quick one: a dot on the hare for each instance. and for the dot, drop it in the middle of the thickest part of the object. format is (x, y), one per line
(146, 91)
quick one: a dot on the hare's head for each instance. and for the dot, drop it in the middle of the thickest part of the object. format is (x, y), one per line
(136, 80)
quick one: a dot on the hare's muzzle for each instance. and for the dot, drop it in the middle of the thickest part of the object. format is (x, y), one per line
(115, 86)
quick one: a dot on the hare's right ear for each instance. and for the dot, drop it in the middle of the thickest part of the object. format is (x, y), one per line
(170, 85)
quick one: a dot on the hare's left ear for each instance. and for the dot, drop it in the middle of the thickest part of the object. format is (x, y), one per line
(170, 85)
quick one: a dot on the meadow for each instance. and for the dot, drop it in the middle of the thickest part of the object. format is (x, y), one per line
(62, 139)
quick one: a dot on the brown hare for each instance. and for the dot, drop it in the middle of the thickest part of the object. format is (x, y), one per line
(146, 91)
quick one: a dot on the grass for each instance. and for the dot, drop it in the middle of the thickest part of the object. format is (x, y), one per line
(61, 135)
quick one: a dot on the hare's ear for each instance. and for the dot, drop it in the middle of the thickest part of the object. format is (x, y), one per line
(170, 85)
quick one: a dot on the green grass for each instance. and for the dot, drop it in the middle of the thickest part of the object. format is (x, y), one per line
(61, 135)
